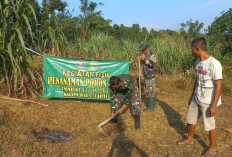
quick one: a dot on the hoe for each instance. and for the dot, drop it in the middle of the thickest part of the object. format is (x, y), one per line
(107, 120)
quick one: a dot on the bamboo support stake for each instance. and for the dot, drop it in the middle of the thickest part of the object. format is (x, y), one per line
(140, 81)
(14, 99)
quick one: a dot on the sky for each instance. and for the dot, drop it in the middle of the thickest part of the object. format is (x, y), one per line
(157, 14)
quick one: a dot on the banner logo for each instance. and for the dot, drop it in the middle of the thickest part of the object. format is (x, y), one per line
(80, 64)
(94, 65)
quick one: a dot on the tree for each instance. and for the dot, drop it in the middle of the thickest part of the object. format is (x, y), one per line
(116, 31)
(153, 34)
(100, 24)
(49, 29)
(45, 10)
(56, 5)
(125, 32)
(191, 29)
(70, 25)
(144, 33)
(88, 14)
(49, 7)
(135, 31)
(220, 32)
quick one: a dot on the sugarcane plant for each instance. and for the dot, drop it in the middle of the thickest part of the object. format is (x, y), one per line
(16, 17)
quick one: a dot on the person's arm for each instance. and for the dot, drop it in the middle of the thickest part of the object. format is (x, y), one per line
(217, 94)
(195, 84)
(152, 60)
(112, 103)
(217, 82)
(192, 92)
(142, 58)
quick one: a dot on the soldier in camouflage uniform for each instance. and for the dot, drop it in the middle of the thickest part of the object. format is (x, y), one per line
(124, 90)
(148, 61)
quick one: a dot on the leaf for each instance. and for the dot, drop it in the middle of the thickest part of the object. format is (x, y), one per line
(20, 37)
(28, 25)
(32, 75)
(33, 11)
(10, 53)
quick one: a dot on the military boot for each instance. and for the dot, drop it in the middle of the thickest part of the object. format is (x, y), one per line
(151, 104)
(154, 100)
(137, 122)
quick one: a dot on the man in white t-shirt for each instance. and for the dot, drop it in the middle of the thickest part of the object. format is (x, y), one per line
(206, 95)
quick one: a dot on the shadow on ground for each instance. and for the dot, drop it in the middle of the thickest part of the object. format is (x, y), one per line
(174, 120)
(122, 146)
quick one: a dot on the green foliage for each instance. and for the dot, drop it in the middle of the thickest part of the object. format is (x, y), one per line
(45, 11)
(135, 31)
(170, 55)
(220, 32)
(69, 26)
(103, 46)
(88, 16)
(227, 74)
(191, 29)
(56, 5)
(153, 34)
(52, 36)
(170, 60)
(14, 60)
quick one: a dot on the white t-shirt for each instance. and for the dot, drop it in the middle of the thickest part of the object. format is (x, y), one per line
(207, 71)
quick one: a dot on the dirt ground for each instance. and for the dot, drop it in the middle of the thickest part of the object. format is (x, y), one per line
(160, 130)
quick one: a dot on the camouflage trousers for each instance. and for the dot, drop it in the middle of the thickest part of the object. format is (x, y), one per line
(149, 87)
(130, 99)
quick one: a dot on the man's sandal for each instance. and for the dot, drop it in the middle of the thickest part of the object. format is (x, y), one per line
(210, 155)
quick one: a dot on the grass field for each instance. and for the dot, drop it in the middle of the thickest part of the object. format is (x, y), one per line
(160, 130)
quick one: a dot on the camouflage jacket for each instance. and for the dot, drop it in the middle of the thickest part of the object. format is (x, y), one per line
(128, 84)
(148, 65)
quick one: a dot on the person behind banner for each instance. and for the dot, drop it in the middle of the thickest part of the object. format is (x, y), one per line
(148, 61)
(124, 90)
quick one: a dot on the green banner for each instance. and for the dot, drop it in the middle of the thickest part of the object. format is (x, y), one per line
(81, 79)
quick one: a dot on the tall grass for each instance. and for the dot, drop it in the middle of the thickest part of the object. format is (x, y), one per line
(104, 47)
(15, 25)
(173, 53)
(52, 39)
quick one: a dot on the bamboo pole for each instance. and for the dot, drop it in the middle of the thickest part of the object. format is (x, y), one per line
(140, 97)
(15, 99)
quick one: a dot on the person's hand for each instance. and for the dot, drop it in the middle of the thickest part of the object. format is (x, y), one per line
(212, 110)
(143, 56)
(124, 106)
(112, 115)
(139, 58)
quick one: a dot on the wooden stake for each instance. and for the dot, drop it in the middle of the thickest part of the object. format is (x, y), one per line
(15, 99)
(140, 82)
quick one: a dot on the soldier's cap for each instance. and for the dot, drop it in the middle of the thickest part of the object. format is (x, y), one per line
(143, 45)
